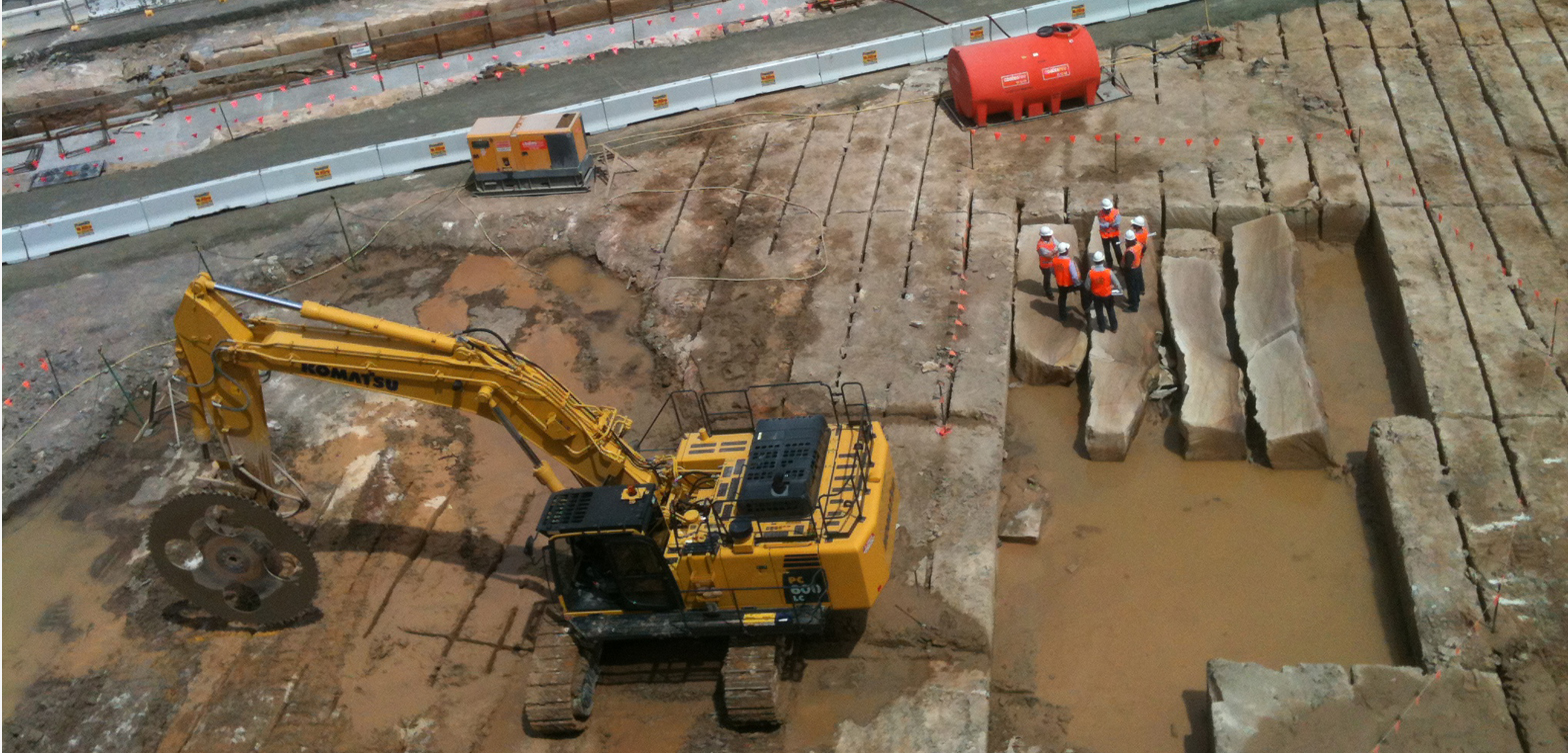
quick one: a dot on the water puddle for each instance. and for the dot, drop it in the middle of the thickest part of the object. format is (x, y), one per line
(1148, 568)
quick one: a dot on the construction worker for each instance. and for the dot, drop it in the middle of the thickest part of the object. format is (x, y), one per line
(1141, 227)
(1132, 269)
(1110, 220)
(1102, 288)
(1046, 250)
(1066, 272)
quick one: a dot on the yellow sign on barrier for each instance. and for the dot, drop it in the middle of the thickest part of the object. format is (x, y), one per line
(324, 172)
(868, 57)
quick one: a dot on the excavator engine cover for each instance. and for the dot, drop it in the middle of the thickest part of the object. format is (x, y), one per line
(1025, 75)
(783, 468)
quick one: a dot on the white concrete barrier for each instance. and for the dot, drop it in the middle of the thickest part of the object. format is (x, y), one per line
(12, 248)
(876, 55)
(658, 101)
(753, 80)
(82, 228)
(1013, 23)
(165, 209)
(1140, 7)
(407, 155)
(298, 178)
(410, 155)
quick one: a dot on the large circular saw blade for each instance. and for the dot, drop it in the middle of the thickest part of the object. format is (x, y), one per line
(233, 558)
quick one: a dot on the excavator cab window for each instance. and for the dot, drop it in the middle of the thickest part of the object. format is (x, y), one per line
(607, 572)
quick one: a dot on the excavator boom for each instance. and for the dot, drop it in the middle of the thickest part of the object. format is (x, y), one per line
(222, 354)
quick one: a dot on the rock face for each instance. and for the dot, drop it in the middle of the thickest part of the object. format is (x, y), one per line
(1409, 474)
(1046, 350)
(1322, 707)
(1213, 406)
(1289, 404)
(1122, 365)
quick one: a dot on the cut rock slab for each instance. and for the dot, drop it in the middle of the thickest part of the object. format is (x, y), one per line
(1409, 474)
(1213, 409)
(1288, 401)
(1046, 350)
(1322, 707)
(1024, 526)
(1289, 405)
(1122, 365)
(1265, 258)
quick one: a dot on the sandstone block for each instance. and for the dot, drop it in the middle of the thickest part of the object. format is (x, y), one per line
(1289, 405)
(1410, 476)
(1046, 350)
(1213, 407)
(1122, 366)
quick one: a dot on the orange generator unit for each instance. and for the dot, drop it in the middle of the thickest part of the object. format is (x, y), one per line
(530, 154)
(1025, 75)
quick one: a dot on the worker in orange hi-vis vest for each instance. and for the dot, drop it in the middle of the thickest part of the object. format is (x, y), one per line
(1110, 221)
(1046, 250)
(1102, 288)
(1141, 227)
(1132, 269)
(1066, 272)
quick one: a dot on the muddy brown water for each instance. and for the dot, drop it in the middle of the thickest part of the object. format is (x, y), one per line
(1148, 568)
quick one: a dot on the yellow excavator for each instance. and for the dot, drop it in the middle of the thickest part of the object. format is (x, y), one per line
(763, 522)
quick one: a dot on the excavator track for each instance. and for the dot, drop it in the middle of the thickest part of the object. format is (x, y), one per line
(559, 696)
(751, 684)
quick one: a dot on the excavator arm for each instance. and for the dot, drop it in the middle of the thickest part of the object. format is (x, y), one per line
(222, 354)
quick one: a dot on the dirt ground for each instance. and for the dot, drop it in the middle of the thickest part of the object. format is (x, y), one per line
(884, 237)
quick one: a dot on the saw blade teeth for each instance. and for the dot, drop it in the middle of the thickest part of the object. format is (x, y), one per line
(233, 568)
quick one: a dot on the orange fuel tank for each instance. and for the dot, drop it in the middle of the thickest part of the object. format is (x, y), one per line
(1025, 75)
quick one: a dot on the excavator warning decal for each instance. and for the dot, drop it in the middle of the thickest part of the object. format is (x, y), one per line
(364, 378)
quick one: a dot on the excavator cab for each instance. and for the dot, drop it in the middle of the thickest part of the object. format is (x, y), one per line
(605, 550)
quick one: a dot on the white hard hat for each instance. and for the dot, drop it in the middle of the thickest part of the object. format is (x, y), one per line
(1105, 203)
(1045, 231)
(1099, 257)
(1139, 221)
(1061, 248)
(1131, 235)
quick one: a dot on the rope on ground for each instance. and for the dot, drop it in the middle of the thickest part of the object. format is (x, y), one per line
(787, 202)
(481, 224)
(78, 386)
(345, 260)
